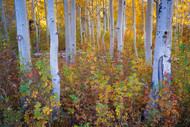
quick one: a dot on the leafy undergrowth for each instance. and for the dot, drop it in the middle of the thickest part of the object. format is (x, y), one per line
(96, 90)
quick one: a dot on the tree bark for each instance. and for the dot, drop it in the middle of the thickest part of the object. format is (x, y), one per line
(53, 48)
(73, 28)
(162, 51)
(36, 28)
(176, 25)
(47, 24)
(57, 17)
(149, 24)
(119, 27)
(39, 26)
(23, 37)
(67, 30)
(104, 15)
(4, 20)
(111, 51)
(81, 28)
(134, 27)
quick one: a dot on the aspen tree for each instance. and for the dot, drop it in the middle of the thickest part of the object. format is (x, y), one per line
(119, 26)
(36, 28)
(111, 28)
(53, 48)
(73, 28)
(4, 20)
(47, 25)
(134, 28)
(149, 24)
(162, 51)
(67, 30)
(23, 37)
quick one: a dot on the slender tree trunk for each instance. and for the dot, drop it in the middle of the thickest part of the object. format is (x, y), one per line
(93, 36)
(157, 9)
(176, 25)
(89, 25)
(80, 24)
(39, 26)
(58, 29)
(53, 48)
(123, 27)
(134, 27)
(162, 51)
(119, 27)
(111, 28)
(107, 17)
(73, 28)
(23, 37)
(47, 27)
(98, 29)
(67, 30)
(4, 20)
(149, 24)
(144, 28)
(36, 28)
(104, 15)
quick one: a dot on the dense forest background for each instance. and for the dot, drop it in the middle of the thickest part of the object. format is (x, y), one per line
(94, 63)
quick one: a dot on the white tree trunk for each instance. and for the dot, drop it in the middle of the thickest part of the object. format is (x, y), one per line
(98, 29)
(144, 28)
(73, 28)
(57, 17)
(89, 25)
(93, 21)
(53, 48)
(80, 24)
(157, 9)
(176, 25)
(47, 27)
(123, 27)
(104, 15)
(23, 36)
(111, 28)
(35, 25)
(162, 51)
(4, 20)
(67, 30)
(149, 24)
(134, 27)
(39, 26)
(119, 27)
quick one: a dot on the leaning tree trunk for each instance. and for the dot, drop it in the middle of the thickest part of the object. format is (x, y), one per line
(111, 28)
(148, 42)
(67, 30)
(53, 48)
(119, 27)
(134, 27)
(23, 37)
(36, 28)
(4, 20)
(162, 51)
(73, 28)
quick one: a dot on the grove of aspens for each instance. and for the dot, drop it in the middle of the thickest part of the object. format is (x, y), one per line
(94, 63)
